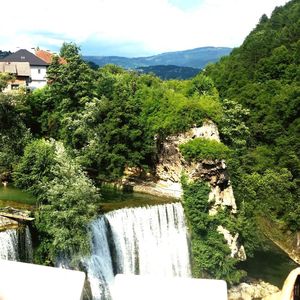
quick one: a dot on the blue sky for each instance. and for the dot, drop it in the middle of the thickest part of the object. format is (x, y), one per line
(129, 27)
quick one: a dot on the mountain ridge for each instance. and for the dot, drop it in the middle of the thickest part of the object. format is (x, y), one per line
(194, 58)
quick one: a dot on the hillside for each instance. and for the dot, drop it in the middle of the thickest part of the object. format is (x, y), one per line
(170, 71)
(194, 58)
(263, 76)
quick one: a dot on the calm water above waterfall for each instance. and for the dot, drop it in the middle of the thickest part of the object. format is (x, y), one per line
(11, 196)
(143, 240)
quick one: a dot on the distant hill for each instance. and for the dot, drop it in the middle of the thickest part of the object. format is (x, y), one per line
(4, 54)
(170, 71)
(194, 58)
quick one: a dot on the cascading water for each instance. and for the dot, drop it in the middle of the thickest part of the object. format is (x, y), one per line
(16, 244)
(9, 245)
(99, 265)
(148, 240)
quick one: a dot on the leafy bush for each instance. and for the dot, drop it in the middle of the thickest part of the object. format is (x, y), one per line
(202, 148)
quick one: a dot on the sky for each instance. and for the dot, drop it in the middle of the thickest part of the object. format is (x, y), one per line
(129, 27)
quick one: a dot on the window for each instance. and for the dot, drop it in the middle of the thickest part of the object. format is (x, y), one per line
(39, 71)
(14, 86)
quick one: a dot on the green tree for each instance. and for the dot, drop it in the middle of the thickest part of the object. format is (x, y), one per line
(233, 128)
(34, 169)
(13, 134)
(67, 200)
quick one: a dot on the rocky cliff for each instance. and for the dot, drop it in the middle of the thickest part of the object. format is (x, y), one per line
(171, 165)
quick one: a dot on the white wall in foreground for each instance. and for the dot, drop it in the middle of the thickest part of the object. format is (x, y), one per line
(22, 281)
(137, 287)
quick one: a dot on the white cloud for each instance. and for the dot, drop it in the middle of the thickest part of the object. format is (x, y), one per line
(156, 25)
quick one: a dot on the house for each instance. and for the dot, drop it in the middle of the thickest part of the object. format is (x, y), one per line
(17, 65)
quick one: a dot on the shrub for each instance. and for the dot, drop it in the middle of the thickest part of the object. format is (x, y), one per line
(202, 148)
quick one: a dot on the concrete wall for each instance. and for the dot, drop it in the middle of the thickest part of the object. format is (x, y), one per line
(137, 287)
(38, 76)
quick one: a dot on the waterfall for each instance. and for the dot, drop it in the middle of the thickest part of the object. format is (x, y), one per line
(99, 266)
(16, 244)
(9, 245)
(149, 240)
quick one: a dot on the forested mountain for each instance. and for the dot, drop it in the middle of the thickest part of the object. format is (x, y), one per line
(170, 72)
(263, 76)
(195, 58)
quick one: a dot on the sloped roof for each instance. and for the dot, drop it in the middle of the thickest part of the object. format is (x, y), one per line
(23, 69)
(8, 68)
(47, 56)
(24, 55)
(16, 68)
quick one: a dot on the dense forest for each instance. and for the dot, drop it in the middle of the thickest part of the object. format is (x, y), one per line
(88, 125)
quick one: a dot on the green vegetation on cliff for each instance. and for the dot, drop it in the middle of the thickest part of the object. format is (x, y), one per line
(210, 252)
(201, 148)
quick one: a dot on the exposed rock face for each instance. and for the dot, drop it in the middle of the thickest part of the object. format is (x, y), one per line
(172, 165)
(237, 250)
(251, 291)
